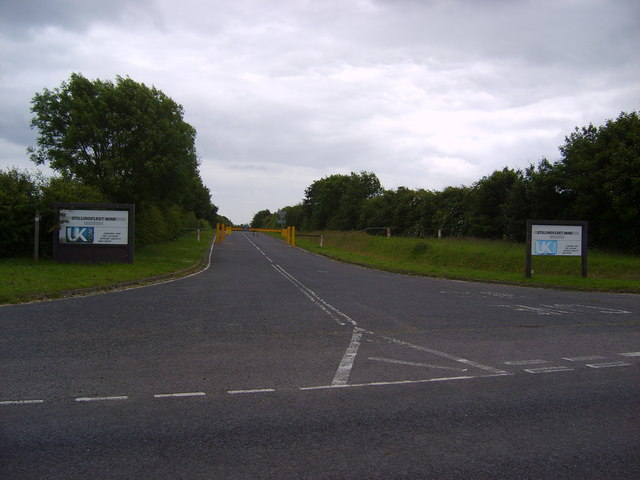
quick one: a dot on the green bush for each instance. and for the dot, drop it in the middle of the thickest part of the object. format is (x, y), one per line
(19, 200)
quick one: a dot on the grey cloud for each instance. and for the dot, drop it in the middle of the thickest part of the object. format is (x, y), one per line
(20, 17)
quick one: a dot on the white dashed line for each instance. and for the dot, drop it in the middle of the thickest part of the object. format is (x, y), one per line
(630, 354)
(525, 362)
(102, 399)
(415, 364)
(609, 365)
(548, 369)
(21, 402)
(180, 395)
(584, 359)
(399, 382)
(255, 390)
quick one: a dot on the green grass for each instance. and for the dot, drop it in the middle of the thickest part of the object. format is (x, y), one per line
(24, 280)
(479, 260)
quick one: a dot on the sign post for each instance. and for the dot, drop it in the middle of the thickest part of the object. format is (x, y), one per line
(556, 238)
(94, 233)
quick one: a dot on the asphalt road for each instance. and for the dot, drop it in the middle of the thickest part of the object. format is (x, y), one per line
(276, 363)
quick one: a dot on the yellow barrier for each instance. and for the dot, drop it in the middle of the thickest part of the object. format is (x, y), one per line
(289, 233)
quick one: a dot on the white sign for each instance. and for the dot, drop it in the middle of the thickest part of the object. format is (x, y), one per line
(560, 240)
(96, 227)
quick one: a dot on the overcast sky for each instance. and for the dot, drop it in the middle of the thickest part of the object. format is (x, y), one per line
(424, 93)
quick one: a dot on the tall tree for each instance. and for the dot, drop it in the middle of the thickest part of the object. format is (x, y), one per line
(335, 202)
(124, 138)
(19, 199)
(488, 198)
(601, 168)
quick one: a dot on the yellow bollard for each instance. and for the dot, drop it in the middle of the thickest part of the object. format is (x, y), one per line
(293, 236)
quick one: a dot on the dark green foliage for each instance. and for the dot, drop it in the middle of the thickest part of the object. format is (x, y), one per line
(601, 168)
(597, 180)
(20, 198)
(488, 198)
(122, 142)
(259, 219)
(123, 138)
(336, 202)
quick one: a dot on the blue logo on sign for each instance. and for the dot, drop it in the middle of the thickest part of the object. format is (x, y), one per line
(545, 247)
(79, 234)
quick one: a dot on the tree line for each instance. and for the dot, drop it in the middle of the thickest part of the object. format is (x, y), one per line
(108, 142)
(597, 179)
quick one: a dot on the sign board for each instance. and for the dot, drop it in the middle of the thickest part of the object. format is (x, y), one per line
(556, 238)
(98, 227)
(561, 240)
(94, 233)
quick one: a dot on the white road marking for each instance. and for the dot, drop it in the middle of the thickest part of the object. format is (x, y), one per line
(608, 365)
(526, 362)
(444, 355)
(399, 382)
(583, 359)
(326, 307)
(254, 390)
(21, 402)
(179, 395)
(562, 309)
(346, 364)
(415, 364)
(548, 369)
(630, 354)
(102, 399)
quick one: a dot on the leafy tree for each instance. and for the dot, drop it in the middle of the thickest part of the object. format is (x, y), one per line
(488, 198)
(19, 201)
(336, 202)
(259, 219)
(425, 206)
(601, 168)
(452, 209)
(377, 211)
(125, 139)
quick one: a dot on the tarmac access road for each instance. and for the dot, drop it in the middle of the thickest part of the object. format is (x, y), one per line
(277, 363)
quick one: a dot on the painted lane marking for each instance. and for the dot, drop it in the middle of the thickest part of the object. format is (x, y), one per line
(102, 399)
(21, 402)
(584, 359)
(254, 390)
(340, 317)
(415, 364)
(630, 354)
(399, 382)
(608, 365)
(179, 395)
(525, 362)
(346, 364)
(562, 309)
(326, 307)
(548, 369)
(444, 355)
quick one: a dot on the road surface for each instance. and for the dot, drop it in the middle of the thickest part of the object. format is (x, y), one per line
(277, 363)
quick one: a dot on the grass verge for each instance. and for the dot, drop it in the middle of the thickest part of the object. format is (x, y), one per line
(24, 280)
(478, 260)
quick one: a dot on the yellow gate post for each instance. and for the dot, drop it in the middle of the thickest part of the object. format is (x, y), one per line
(293, 236)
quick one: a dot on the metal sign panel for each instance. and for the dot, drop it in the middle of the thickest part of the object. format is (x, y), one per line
(94, 233)
(560, 240)
(556, 238)
(97, 227)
